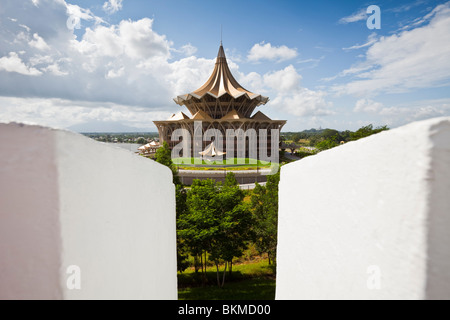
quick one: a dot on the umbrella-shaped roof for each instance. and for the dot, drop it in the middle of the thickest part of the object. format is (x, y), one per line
(211, 151)
(221, 82)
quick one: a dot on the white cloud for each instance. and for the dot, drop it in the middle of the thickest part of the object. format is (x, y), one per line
(121, 72)
(367, 105)
(134, 39)
(294, 99)
(357, 16)
(62, 113)
(77, 13)
(403, 113)
(420, 110)
(370, 40)
(55, 70)
(187, 74)
(13, 63)
(112, 6)
(304, 102)
(284, 80)
(417, 58)
(38, 43)
(262, 51)
(188, 49)
(115, 73)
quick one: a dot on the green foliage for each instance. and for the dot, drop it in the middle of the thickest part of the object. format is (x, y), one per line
(230, 180)
(164, 156)
(366, 131)
(181, 210)
(329, 138)
(141, 140)
(250, 281)
(303, 154)
(216, 221)
(264, 202)
(328, 143)
(328, 134)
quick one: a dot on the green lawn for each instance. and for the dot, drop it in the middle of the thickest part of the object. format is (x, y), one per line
(212, 161)
(249, 281)
(239, 164)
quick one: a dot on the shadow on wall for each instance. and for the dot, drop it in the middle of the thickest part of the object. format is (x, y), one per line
(73, 221)
(372, 218)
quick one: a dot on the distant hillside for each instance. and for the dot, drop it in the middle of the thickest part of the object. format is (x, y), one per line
(108, 127)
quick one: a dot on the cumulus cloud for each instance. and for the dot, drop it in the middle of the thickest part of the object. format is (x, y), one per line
(125, 71)
(188, 49)
(420, 110)
(112, 6)
(38, 43)
(411, 59)
(265, 51)
(13, 63)
(61, 113)
(135, 39)
(367, 105)
(304, 102)
(77, 13)
(400, 114)
(284, 80)
(294, 99)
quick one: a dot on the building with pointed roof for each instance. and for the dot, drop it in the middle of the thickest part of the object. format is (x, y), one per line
(221, 103)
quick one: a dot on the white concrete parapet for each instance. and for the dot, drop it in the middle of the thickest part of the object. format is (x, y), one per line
(81, 219)
(369, 219)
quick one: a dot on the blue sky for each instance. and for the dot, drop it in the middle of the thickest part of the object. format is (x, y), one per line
(116, 65)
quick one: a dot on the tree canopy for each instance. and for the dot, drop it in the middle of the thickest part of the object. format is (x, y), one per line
(164, 156)
(217, 222)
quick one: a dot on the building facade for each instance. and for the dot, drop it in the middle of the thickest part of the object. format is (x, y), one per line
(224, 105)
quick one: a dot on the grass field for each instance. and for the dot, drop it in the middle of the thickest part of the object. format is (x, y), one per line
(239, 164)
(212, 162)
(249, 281)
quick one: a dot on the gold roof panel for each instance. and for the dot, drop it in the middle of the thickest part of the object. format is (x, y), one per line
(221, 82)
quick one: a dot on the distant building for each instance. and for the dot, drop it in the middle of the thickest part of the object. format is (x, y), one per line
(221, 103)
(149, 148)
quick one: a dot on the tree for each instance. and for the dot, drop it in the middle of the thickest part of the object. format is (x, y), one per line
(141, 140)
(230, 180)
(330, 133)
(328, 143)
(164, 156)
(264, 202)
(181, 209)
(198, 224)
(217, 222)
(366, 131)
(235, 226)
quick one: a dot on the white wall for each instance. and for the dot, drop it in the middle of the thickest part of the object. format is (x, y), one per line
(68, 200)
(374, 209)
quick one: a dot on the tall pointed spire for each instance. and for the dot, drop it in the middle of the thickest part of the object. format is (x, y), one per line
(221, 54)
(220, 83)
